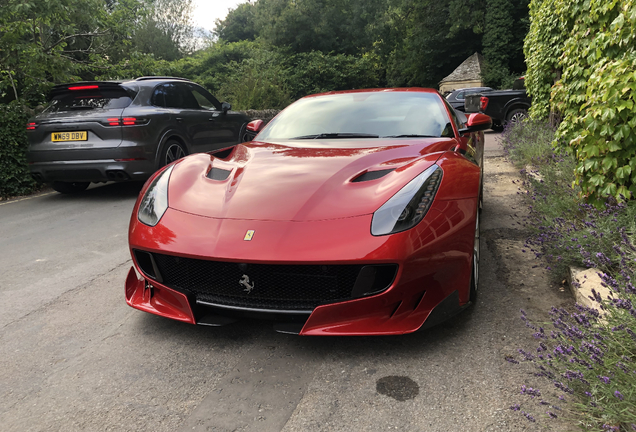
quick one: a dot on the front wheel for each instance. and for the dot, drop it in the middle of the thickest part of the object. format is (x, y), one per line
(69, 187)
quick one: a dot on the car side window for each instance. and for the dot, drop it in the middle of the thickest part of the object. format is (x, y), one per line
(204, 98)
(159, 97)
(188, 99)
(460, 96)
(173, 97)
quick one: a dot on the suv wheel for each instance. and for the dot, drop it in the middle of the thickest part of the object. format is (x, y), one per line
(69, 187)
(517, 115)
(173, 151)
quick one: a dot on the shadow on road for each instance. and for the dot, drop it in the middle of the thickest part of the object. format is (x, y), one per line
(103, 192)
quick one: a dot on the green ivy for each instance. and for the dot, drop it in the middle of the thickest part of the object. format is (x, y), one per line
(581, 57)
(15, 178)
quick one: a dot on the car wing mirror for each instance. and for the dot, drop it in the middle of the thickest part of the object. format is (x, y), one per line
(477, 122)
(255, 126)
(225, 107)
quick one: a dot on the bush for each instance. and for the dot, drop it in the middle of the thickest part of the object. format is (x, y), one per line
(566, 231)
(581, 57)
(15, 178)
(588, 360)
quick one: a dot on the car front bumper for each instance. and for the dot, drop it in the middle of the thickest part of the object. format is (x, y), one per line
(433, 259)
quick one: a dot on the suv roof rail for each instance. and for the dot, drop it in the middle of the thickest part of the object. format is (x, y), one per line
(146, 78)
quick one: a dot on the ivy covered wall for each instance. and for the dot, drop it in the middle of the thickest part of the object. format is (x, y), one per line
(581, 57)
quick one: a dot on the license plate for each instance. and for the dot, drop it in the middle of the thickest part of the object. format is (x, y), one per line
(69, 136)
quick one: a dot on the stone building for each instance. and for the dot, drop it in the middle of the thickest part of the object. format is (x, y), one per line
(467, 74)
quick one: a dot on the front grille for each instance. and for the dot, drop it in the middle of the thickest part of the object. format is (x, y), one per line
(275, 287)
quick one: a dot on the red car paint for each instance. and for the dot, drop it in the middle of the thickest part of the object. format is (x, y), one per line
(299, 198)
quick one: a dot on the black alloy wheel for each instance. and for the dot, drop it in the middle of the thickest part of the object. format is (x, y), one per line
(174, 151)
(517, 115)
(69, 187)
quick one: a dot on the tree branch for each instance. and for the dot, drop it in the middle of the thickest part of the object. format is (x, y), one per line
(65, 38)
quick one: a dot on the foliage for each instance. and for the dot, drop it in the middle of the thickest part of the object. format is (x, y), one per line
(238, 25)
(341, 26)
(251, 75)
(411, 42)
(588, 360)
(581, 57)
(254, 85)
(316, 72)
(15, 178)
(166, 30)
(563, 226)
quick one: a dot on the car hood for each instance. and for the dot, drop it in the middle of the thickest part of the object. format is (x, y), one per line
(299, 180)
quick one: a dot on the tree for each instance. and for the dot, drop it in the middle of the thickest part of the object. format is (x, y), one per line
(43, 43)
(166, 30)
(238, 25)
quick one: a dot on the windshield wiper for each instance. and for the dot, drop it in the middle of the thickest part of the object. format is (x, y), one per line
(338, 135)
(410, 136)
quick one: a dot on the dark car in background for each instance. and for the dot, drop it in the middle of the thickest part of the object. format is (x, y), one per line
(457, 97)
(125, 130)
(502, 106)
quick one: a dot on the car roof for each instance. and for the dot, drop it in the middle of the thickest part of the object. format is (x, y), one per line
(469, 88)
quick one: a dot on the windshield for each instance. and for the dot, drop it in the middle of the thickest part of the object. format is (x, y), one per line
(362, 115)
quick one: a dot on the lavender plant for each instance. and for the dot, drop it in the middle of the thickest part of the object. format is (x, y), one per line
(586, 356)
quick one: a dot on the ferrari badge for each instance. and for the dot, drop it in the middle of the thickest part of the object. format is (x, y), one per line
(248, 235)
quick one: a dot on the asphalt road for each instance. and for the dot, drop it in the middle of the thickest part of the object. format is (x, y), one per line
(75, 357)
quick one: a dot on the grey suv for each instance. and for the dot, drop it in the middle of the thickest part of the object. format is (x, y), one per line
(116, 131)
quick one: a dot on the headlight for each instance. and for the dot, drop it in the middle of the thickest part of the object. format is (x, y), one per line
(408, 207)
(155, 202)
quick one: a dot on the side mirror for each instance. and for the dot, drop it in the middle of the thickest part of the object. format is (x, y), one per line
(225, 107)
(477, 122)
(256, 126)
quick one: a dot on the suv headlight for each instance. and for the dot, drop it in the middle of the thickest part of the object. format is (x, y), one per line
(155, 201)
(408, 207)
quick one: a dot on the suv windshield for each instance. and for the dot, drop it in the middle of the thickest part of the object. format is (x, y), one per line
(362, 115)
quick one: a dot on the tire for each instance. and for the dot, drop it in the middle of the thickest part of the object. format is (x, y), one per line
(69, 187)
(173, 150)
(244, 135)
(517, 115)
(474, 273)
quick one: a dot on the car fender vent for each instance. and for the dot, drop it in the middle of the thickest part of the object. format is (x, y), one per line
(218, 174)
(374, 279)
(371, 175)
(147, 264)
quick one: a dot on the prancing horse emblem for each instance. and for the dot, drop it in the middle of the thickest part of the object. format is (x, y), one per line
(245, 281)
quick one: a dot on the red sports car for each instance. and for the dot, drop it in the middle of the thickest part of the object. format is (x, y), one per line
(351, 213)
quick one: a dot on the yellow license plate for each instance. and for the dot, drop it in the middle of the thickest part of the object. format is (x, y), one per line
(69, 136)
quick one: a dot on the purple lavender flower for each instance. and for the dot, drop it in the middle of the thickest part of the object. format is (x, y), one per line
(618, 395)
(529, 391)
(528, 416)
(515, 407)
(605, 379)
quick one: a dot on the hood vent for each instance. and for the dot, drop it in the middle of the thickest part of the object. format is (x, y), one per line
(222, 154)
(218, 174)
(372, 175)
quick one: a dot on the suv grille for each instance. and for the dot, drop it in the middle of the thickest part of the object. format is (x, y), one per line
(275, 287)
